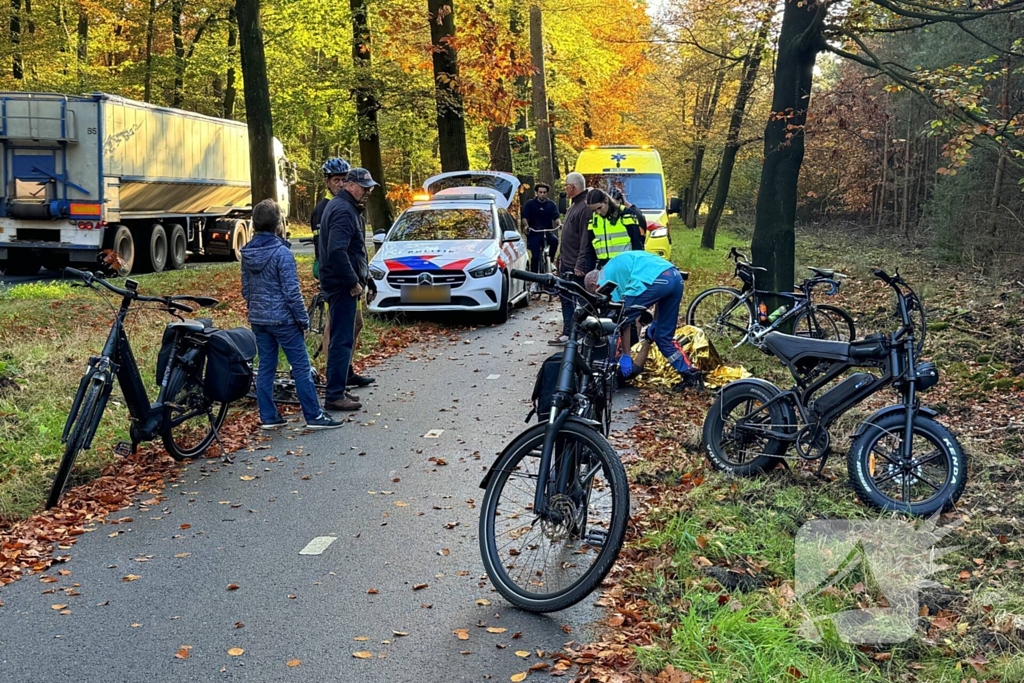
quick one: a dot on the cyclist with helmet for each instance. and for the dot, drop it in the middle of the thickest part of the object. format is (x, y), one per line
(335, 171)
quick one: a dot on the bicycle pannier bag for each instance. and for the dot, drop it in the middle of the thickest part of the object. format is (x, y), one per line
(229, 356)
(544, 387)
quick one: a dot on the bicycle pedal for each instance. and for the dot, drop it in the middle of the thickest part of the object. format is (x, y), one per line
(596, 538)
(124, 449)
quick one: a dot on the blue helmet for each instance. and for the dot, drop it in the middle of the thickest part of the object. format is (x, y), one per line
(335, 166)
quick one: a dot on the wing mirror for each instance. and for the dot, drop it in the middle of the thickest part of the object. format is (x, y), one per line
(378, 239)
(675, 205)
(511, 236)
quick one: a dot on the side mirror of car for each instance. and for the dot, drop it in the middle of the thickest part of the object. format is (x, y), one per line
(378, 239)
(563, 202)
(511, 236)
(675, 205)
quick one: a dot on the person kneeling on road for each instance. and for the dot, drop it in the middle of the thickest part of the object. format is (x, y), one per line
(644, 279)
(277, 315)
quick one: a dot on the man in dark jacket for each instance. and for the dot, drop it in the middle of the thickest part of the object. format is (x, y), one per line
(577, 256)
(343, 275)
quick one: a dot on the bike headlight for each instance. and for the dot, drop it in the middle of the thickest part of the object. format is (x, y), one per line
(659, 231)
(485, 271)
(377, 273)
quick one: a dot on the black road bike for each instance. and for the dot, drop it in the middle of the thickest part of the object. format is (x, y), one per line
(900, 457)
(556, 504)
(183, 416)
(741, 315)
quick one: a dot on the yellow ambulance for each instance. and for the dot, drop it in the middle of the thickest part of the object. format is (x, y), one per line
(637, 171)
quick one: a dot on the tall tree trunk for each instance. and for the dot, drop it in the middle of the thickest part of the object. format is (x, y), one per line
(147, 88)
(500, 147)
(885, 168)
(83, 38)
(367, 105)
(257, 101)
(706, 118)
(17, 70)
(177, 9)
(451, 124)
(773, 244)
(229, 83)
(520, 140)
(751, 65)
(542, 138)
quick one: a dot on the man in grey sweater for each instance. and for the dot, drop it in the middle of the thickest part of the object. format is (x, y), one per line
(576, 257)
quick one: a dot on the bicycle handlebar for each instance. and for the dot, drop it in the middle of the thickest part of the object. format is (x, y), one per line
(539, 278)
(171, 302)
(594, 300)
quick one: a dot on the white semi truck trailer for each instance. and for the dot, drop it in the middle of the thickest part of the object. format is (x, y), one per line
(83, 174)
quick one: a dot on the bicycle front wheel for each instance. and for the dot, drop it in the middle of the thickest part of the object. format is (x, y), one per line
(825, 322)
(723, 314)
(545, 565)
(191, 418)
(80, 435)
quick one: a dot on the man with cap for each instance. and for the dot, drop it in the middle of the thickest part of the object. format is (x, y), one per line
(344, 273)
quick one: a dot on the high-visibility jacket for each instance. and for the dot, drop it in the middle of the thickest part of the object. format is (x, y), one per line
(611, 239)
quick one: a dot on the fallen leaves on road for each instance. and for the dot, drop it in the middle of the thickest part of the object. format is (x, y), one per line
(131, 577)
(182, 652)
(233, 586)
(236, 652)
(516, 678)
(363, 654)
(496, 629)
(462, 633)
(420, 586)
(294, 662)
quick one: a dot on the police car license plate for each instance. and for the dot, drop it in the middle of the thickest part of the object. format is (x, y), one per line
(427, 294)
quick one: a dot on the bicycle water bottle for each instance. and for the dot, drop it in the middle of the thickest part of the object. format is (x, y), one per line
(777, 313)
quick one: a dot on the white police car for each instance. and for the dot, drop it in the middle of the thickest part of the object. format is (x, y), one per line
(452, 250)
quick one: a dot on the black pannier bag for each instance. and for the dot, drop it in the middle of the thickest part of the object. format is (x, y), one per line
(544, 387)
(229, 356)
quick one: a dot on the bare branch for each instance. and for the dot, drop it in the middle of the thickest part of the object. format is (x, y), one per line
(936, 13)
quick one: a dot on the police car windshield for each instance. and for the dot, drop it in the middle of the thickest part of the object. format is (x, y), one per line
(643, 189)
(443, 224)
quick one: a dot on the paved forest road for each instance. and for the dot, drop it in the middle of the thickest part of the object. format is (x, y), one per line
(399, 517)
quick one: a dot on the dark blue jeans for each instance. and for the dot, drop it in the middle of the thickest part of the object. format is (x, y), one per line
(270, 338)
(536, 242)
(667, 293)
(341, 307)
(568, 302)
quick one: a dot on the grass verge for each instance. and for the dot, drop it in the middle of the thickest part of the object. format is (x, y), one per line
(704, 591)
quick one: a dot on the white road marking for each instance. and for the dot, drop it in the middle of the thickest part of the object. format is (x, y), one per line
(433, 434)
(317, 545)
(493, 376)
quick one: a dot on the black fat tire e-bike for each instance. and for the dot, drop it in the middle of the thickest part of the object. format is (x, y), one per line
(738, 316)
(183, 416)
(900, 458)
(554, 513)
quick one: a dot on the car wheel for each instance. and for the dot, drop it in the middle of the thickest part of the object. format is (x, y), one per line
(500, 316)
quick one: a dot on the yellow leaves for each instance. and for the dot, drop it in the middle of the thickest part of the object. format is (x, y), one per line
(496, 629)
(131, 577)
(363, 654)
(483, 602)
(516, 678)
(57, 607)
(292, 663)
(236, 652)
(522, 653)
(247, 477)
(461, 633)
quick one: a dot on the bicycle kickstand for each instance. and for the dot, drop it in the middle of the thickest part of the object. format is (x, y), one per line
(225, 457)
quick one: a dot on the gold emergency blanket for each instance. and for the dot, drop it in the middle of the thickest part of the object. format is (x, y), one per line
(701, 352)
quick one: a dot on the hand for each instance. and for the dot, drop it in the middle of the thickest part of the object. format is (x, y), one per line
(579, 272)
(356, 291)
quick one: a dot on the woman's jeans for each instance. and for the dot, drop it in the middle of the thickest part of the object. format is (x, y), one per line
(269, 338)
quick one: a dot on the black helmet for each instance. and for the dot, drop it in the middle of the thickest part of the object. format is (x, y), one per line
(616, 194)
(335, 166)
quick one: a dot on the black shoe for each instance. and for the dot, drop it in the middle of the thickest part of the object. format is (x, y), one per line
(690, 380)
(355, 380)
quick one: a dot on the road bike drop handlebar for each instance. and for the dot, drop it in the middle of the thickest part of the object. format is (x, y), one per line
(171, 302)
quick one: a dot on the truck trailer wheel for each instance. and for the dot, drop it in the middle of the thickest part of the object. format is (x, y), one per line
(153, 248)
(239, 238)
(123, 243)
(178, 244)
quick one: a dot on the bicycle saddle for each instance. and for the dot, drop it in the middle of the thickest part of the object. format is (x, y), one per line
(825, 272)
(791, 349)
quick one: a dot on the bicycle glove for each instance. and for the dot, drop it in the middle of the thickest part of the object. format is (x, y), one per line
(626, 366)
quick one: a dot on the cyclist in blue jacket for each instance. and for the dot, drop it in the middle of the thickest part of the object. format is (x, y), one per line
(277, 315)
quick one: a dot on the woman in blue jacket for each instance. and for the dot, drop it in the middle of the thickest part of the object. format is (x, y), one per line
(277, 315)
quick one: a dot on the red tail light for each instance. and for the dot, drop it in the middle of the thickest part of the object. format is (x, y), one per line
(85, 225)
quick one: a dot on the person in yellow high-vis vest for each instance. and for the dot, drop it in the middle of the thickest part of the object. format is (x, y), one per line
(613, 231)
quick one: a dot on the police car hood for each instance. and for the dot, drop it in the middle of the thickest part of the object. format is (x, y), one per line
(435, 255)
